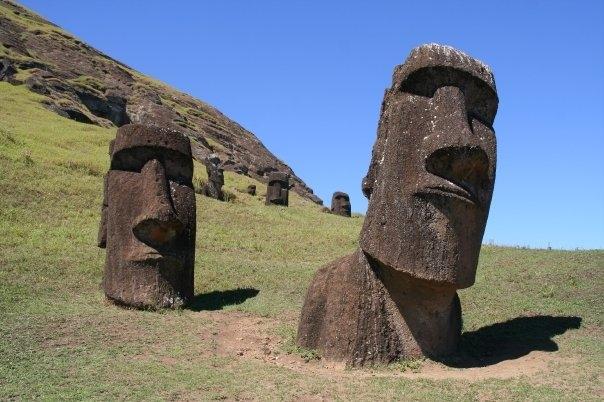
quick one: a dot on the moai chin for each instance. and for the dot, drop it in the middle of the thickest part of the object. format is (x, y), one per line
(340, 204)
(148, 218)
(429, 185)
(277, 191)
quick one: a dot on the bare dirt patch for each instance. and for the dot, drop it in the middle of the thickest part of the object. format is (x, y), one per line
(244, 336)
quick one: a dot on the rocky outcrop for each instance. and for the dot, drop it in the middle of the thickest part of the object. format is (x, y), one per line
(86, 85)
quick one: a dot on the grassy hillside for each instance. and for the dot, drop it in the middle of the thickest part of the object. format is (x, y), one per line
(533, 321)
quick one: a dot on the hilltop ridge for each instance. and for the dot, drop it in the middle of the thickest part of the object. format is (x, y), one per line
(83, 84)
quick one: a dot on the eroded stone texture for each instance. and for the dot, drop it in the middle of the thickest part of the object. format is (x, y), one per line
(148, 218)
(251, 189)
(213, 187)
(340, 204)
(429, 185)
(277, 191)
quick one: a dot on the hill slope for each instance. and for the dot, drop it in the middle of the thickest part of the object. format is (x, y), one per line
(85, 85)
(532, 322)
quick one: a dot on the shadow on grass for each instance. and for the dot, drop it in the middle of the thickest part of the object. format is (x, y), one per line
(509, 340)
(218, 299)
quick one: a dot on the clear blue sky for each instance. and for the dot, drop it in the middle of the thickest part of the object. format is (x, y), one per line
(308, 78)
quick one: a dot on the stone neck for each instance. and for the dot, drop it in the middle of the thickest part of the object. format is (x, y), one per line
(425, 315)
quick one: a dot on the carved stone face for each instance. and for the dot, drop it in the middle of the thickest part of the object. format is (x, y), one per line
(340, 204)
(215, 175)
(277, 191)
(149, 218)
(432, 172)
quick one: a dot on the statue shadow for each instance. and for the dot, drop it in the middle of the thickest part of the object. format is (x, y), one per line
(509, 340)
(219, 299)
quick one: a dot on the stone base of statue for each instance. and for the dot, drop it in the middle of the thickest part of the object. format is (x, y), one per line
(363, 313)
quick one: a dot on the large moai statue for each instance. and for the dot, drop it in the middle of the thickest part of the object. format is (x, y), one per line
(340, 204)
(148, 218)
(429, 185)
(213, 187)
(277, 191)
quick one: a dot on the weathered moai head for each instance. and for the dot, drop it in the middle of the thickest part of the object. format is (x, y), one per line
(148, 218)
(213, 187)
(340, 204)
(432, 172)
(251, 189)
(277, 191)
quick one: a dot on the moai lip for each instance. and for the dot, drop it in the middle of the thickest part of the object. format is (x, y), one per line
(429, 185)
(148, 218)
(277, 191)
(340, 204)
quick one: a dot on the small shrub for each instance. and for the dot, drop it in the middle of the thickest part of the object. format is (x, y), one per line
(7, 137)
(413, 365)
(229, 196)
(198, 184)
(27, 159)
(290, 347)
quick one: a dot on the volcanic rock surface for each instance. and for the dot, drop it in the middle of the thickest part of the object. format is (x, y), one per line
(83, 84)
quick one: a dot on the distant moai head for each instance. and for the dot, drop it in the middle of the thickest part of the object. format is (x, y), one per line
(215, 175)
(277, 191)
(251, 189)
(213, 188)
(432, 171)
(148, 218)
(340, 204)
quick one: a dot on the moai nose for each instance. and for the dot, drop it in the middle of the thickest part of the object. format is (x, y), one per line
(451, 116)
(455, 153)
(157, 224)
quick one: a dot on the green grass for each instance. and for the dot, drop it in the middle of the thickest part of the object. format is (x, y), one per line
(59, 339)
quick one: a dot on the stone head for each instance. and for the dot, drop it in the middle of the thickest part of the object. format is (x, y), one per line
(215, 175)
(148, 220)
(277, 191)
(340, 204)
(251, 189)
(432, 172)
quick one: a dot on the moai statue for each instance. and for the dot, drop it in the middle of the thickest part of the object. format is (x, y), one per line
(251, 189)
(277, 192)
(148, 218)
(340, 204)
(213, 188)
(429, 186)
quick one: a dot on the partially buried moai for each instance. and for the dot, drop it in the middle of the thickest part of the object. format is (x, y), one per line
(429, 185)
(340, 204)
(148, 218)
(251, 189)
(213, 187)
(277, 190)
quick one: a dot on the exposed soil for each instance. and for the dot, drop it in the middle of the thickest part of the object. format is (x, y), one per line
(244, 336)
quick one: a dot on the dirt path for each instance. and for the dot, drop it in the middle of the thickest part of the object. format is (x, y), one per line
(245, 336)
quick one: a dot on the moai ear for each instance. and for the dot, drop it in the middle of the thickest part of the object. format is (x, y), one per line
(102, 236)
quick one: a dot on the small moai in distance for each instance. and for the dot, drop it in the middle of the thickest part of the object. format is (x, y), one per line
(251, 189)
(277, 191)
(148, 218)
(429, 184)
(213, 187)
(340, 204)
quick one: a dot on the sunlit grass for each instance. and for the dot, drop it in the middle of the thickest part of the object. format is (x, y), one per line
(60, 340)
